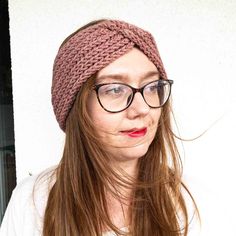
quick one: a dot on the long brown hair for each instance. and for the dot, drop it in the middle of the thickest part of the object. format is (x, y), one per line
(77, 203)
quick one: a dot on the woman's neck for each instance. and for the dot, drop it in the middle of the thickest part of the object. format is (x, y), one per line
(119, 200)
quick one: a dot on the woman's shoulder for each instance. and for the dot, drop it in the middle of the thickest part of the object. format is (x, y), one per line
(26, 207)
(35, 185)
(32, 192)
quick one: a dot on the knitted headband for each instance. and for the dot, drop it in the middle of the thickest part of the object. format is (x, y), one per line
(88, 51)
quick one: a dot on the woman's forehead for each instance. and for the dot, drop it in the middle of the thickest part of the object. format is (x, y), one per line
(132, 64)
(124, 77)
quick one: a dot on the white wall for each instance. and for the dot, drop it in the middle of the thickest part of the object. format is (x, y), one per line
(196, 40)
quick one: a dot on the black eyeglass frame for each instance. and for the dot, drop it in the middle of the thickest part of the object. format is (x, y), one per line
(134, 91)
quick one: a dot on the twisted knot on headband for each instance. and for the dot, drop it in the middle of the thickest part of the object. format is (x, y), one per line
(87, 52)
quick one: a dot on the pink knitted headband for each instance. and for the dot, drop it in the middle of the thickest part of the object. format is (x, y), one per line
(90, 50)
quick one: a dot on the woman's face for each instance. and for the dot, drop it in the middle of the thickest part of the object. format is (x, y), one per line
(129, 133)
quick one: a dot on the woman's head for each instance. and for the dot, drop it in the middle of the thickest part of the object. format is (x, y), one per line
(89, 50)
(118, 56)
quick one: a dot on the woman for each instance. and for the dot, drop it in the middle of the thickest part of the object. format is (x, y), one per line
(120, 173)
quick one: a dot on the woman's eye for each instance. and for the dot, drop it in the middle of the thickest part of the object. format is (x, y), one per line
(114, 90)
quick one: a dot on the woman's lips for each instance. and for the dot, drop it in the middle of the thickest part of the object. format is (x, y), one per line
(135, 133)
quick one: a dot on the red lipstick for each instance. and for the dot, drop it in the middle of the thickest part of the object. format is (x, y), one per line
(135, 133)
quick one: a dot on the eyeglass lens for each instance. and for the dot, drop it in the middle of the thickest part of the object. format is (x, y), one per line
(116, 97)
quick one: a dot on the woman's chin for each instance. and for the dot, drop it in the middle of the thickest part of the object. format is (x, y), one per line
(131, 153)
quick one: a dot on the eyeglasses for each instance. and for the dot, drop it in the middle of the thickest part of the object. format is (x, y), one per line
(116, 97)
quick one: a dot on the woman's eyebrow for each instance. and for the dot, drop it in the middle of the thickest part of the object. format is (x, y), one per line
(125, 77)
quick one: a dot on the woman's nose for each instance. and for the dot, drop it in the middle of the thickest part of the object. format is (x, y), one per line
(138, 107)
